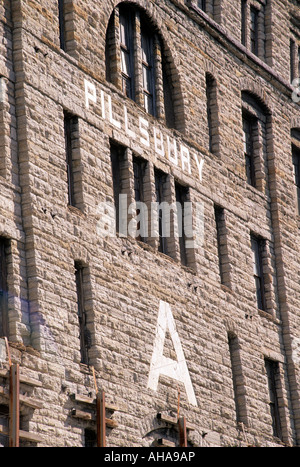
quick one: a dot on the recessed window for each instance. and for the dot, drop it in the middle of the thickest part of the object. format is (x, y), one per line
(3, 289)
(272, 370)
(296, 164)
(256, 126)
(249, 129)
(212, 114)
(294, 48)
(84, 333)
(147, 48)
(182, 197)
(127, 51)
(221, 230)
(139, 169)
(118, 158)
(255, 19)
(254, 14)
(258, 248)
(61, 16)
(137, 62)
(71, 144)
(160, 190)
(237, 378)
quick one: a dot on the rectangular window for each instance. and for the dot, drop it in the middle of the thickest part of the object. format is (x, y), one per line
(254, 15)
(160, 183)
(148, 71)
(292, 59)
(70, 128)
(272, 370)
(244, 22)
(84, 334)
(126, 51)
(212, 113)
(209, 91)
(224, 266)
(296, 163)
(182, 196)
(117, 155)
(139, 168)
(258, 247)
(3, 289)
(62, 31)
(248, 133)
(237, 378)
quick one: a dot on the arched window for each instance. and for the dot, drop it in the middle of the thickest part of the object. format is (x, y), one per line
(138, 64)
(256, 126)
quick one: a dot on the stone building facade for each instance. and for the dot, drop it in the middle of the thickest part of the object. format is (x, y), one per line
(108, 109)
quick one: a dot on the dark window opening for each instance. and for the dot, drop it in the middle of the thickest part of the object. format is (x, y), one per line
(62, 29)
(182, 196)
(84, 334)
(140, 63)
(272, 369)
(222, 246)
(254, 15)
(248, 137)
(4, 422)
(244, 22)
(127, 51)
(212, 113)
(90, 438)
(292, 59)
(237, 378)
(258, 247)
(70, 128)
(117, 155)
(148, 71)
(160, 181)
(296, 164)
(3, 289)
(139, 167)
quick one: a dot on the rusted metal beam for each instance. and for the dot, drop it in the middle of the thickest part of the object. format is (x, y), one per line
(101, 420)
(182, 432)
(14, 406)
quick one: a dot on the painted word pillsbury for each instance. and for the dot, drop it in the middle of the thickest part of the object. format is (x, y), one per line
(143, 132)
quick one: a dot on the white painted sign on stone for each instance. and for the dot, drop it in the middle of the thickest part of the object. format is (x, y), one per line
(144, 132)
(161, 365)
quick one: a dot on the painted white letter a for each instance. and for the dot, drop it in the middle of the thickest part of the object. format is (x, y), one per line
(161, 365)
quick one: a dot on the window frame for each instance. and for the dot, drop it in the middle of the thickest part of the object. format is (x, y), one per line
(258, 246)
(248, 142)
(182, 197)
(139, 166)
(160, 179)
(84, 334)
(70, 128)
(273, 373)
(126, 20)
(296, 168)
